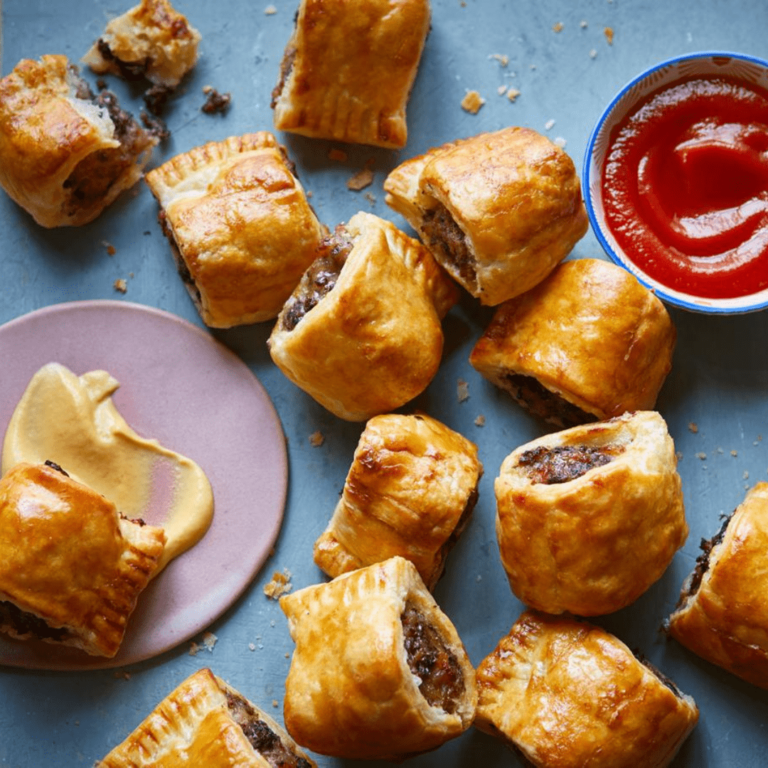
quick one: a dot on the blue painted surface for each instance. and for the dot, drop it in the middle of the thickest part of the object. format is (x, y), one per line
(719, 380)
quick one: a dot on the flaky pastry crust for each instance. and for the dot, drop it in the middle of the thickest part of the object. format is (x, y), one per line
(152, 40)
(410, 491)
(588, 342)
(374, 341)
(206, 723)
(351, 691)
(240, 225)
(567, 694)
(498, 210)
(63, 158)
(588, 518)
(348, 69)
(723, 611)
(71, 567)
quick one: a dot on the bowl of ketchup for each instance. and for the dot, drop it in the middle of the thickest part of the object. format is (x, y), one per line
(676, 181)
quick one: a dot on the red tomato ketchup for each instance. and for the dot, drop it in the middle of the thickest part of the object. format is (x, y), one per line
(685, 187)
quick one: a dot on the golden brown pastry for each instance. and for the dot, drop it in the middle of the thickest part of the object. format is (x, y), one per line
(499, 210)
(65, 155)
(379, 671)
(567, 694)
(588, 342)
(239, 224)
(410, 491)
(589, 518)
(348, 69)
(71, 567)
(723, 610)
(361, 333)
(205, 723)
(151, 40)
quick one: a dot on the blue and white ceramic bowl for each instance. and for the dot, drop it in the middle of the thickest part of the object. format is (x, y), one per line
(720, 63)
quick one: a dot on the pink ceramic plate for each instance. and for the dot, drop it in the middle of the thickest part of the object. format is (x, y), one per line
(179, 385)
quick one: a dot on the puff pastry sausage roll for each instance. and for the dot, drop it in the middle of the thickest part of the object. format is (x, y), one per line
(207, 723)
(589, 518)
(361, 333)
(567, 694)
(723, 610)
(410, 491)
(240, 226)
(499, 211)
(589, 342)
(71, 567)
(151, 40)
(379, 671)
(348, 69)
(65, 155)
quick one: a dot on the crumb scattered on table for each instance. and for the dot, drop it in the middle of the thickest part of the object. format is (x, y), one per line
(337, 154)
(270, 10)
(608, 31)
(480, 421)
(462, 390)
(559, 141)
(193, 649)
(549, 125)
(693, 427)
(501, 90)
(216, 103)
(122, 675)
(121, 285)
(279, 585)
(583, 24)
(502, 58)
(593, 54)
(701, 455)
(209, 640)
(370, 197)
(316, 439)
(472, 102)
(111, 250)
(558, 27)
(251, 647)
(361, 180)
(512, 94)
(746, 475)
(734, 453)
(275, 703)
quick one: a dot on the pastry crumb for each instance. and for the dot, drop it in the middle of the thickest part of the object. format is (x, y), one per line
(480, 421)
(339, 155)
(549, 125)
(279, 585)
(462, 390)
(316, 439)
(216, 103)
(361, 180)
(512, 94)
(583, 24)
(270, 10)
(693, 427)
(558, 27)
(111, 250)
(746, 475)
(209, 640)
(501, 90)
(121, 285)
(207, 89)
(701, 455)
(370, 197)
(593, 54)
(194, 648)
(608, 32)
(275, 703)
(502, 58)
(472, 102)
(559, 141)
(251, 647)
(734, 452)
(122, 675)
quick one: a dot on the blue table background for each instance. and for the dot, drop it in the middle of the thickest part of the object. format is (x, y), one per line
(719, 380)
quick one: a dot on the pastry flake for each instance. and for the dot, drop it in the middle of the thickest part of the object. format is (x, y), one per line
(498, 210)
(588, 518)
(410, 491)
(589, 342)
(205, 722)
(362, 331)
(151, 40)
(65, 154)
(348, 70)
(71, 567)
(722, 614)
(567, 694)
(379, 671)
(239, 224)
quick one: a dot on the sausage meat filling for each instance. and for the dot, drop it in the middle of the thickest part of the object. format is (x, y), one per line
(442, 231)
(702, 561)
(541, 402)
(22, 624)
(319, 280)
(562, 463)
(261, 737)
(429, 658)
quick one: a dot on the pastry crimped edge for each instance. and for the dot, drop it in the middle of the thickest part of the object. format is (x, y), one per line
(349, 691)
(593, 544)
(193, 726)
(725, 619)
(542, 693)
(374, 519)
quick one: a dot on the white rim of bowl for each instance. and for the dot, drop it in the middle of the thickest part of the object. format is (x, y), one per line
(685, 301)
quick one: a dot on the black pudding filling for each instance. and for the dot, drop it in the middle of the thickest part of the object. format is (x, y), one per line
(562, 463)
(541, 402)
(181, 265)
(702, 561)
(442, 231)
(320, 279)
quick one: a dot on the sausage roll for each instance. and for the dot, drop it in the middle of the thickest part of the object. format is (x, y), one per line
(589, 518)
(65, 155)
(361, 333)
(151, 40)
(209, 724)
(410, 491)
(499, 211)
(590, 342)
(566, 694)
(723, 610)
(348, 69)
(379, 671)
(239, 224)
(71, 567)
